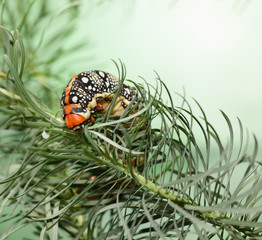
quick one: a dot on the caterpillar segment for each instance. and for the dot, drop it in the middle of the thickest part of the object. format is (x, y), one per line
(91, 91)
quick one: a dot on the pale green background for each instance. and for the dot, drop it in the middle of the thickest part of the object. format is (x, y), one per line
(211, 48)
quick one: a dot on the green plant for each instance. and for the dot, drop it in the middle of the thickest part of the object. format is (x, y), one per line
(140, 176)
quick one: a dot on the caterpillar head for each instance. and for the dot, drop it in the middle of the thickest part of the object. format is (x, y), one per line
(75, 117)
(75, 121)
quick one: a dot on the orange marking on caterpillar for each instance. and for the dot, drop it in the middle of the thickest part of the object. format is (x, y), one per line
(68, 89)
(73, 120)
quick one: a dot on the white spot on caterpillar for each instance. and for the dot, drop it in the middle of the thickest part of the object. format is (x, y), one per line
(101, 74)
(85, 79)
(74, 99)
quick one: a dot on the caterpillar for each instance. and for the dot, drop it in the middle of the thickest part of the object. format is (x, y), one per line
(91, 91)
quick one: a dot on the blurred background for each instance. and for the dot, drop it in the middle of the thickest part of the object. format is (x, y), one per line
(209, 49)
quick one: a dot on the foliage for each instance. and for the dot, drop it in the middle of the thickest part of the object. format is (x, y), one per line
(143, 175)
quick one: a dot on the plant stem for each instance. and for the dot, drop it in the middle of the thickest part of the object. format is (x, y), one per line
(155, 188)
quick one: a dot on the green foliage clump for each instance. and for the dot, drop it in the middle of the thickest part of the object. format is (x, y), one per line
(143, 175)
